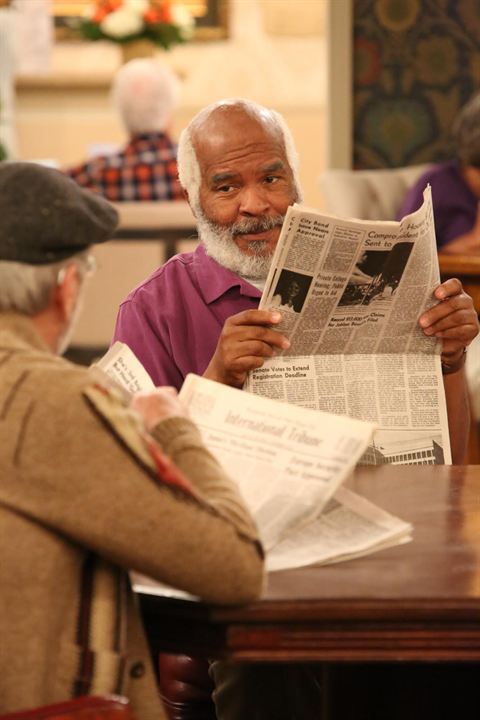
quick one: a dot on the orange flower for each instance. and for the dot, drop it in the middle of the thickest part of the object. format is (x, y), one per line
(104, 7)
(99, 14)
(152, 16)
(113, 4)
(166, 14)
(163, 10)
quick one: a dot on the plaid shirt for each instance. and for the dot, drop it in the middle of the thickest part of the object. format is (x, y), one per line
(146, 169)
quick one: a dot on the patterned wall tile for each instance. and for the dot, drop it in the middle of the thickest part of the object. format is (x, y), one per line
(416, 62)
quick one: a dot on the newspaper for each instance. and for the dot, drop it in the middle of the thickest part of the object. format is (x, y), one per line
(289, 463)
(350, 293)
(349, 526)
(122, 366)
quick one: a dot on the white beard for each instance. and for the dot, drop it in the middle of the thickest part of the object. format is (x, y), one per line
(220, 245)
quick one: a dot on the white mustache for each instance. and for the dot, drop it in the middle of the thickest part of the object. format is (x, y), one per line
(255, 225)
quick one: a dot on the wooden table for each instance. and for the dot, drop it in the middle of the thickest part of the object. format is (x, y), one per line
(467, 269)
(418, 602)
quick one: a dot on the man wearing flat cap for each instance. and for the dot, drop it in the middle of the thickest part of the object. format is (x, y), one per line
(90, 487)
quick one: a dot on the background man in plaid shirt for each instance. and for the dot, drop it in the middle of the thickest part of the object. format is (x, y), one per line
(145, 93)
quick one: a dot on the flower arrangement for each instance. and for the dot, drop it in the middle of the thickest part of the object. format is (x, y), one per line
(162, 22)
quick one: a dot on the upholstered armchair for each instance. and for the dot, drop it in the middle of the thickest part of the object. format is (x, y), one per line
(368, 194)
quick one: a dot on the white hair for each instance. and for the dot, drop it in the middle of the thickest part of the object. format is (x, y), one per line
(27, 289)
(145, 93)
(188, 167)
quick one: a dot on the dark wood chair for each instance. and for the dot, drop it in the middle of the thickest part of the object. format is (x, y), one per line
(106, 707)
(186, 687)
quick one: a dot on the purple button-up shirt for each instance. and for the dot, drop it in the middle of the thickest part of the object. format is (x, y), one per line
(173, 320)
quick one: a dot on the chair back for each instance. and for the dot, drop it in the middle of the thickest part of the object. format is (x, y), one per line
(107, 707)
(155, 219)
(186, 687)
(368, 194)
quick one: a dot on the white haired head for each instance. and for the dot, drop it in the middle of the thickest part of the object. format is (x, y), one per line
(27, 289)
(188, 166)
(146, 94)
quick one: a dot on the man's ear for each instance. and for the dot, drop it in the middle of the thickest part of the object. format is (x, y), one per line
(188, 200)
(66, 292)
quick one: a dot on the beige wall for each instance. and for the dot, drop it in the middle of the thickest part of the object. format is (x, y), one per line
(59, 115)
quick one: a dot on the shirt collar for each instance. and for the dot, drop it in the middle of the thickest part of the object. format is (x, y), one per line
(215, 280)
(153, 137)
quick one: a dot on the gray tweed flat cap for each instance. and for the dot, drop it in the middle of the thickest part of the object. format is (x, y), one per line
(46, 217)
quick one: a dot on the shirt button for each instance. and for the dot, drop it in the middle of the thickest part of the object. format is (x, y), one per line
(137, 670)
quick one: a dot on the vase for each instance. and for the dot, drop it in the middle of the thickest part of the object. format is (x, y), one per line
(136, 49)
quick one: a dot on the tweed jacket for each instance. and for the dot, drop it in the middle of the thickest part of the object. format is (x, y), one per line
(84, 495)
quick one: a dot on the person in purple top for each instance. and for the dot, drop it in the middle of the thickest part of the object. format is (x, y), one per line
(455, 188)
(199, 313)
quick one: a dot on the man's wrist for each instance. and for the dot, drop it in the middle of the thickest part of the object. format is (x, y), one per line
(454, 363)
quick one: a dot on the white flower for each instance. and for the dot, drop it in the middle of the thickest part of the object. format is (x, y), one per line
(122, 22)
(185, 21)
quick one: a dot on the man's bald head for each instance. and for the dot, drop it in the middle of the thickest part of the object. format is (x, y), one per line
(229, 117)
(215, 126)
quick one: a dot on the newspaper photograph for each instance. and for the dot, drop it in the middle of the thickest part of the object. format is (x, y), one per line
(350, 293)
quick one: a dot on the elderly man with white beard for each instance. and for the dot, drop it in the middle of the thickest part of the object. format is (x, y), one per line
(199, 313)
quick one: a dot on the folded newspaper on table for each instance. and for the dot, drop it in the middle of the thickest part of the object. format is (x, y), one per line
(350, 293)
(289, 463)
